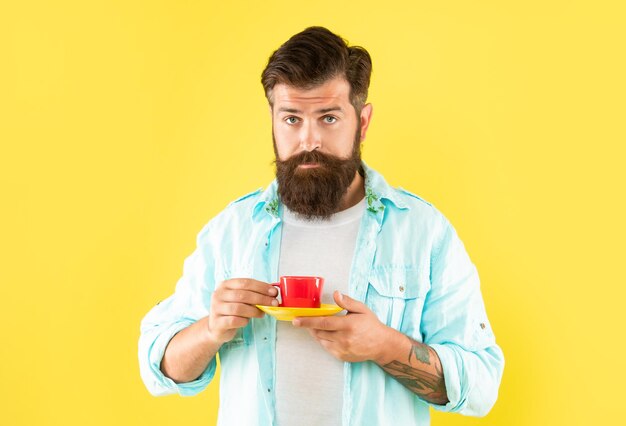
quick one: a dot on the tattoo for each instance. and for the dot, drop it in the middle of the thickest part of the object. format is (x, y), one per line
(426, 381)
(420, 352)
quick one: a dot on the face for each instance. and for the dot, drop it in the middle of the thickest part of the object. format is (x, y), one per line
(317, 137)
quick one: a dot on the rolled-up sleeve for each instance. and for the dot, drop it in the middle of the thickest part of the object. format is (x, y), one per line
(455, 325)
(189, 303)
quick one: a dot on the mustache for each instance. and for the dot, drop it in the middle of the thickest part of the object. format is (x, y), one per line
(314, 156)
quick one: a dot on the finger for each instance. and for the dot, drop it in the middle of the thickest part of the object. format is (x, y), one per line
(328, 346)
(250, 285)
(333, 349)
(349, 304)
(328, 336)
(239, 310)
(321, 323)
(247, 297)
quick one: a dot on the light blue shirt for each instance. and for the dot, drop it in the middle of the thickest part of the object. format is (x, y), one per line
(409, 267)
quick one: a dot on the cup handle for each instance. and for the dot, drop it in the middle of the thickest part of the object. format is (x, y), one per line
(279, 296)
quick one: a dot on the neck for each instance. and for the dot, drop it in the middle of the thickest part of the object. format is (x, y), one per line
(355, 193)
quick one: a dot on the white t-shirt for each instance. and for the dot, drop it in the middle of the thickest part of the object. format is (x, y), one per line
(309, 380)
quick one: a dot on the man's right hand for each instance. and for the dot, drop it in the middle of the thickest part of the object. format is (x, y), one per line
(233, 304)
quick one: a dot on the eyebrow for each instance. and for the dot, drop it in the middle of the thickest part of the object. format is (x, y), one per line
(320, 111)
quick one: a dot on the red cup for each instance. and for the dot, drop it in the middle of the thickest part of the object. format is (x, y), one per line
(300, 291)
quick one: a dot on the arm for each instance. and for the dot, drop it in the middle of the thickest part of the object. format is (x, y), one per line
(464, 362)
(181, 335)
(232, 305)
(415, 365)
(189, 352)
(360, 336)
(455, 325)
(189, 303)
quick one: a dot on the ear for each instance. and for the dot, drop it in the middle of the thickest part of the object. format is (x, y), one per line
(366, 117)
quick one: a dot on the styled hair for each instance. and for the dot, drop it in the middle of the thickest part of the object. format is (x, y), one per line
(314, 56)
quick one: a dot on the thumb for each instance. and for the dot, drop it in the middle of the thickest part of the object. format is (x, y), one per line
(348, 303)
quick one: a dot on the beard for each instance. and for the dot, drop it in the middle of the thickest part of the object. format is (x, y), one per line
(316, 193)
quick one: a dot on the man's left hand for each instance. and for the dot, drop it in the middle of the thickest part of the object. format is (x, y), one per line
(357, 336)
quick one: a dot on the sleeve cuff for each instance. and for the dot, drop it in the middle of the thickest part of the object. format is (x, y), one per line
(163, 385)
(451, 376)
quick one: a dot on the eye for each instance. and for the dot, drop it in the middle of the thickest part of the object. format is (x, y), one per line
(291, 118)
(332, 119)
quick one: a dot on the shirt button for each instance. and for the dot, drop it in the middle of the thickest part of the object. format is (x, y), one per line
(401, 288)
(268, 389)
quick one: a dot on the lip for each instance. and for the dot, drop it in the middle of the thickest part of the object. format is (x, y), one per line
(309, 165)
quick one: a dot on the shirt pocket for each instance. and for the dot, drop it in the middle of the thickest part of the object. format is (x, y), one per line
(396, 295)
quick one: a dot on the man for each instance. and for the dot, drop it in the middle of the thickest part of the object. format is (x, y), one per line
(415, 333)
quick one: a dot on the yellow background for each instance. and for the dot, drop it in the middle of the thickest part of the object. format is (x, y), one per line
(126, 125)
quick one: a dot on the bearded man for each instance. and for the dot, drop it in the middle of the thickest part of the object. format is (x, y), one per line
(414, 333)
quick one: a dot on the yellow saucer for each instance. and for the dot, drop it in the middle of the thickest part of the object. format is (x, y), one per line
(283, 313)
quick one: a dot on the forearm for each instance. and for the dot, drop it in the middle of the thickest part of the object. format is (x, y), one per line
(189, 352)
(415, 365)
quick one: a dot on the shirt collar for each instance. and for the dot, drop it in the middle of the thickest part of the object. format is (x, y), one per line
(376, 190)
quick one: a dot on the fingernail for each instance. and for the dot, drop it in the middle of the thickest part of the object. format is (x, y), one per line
(296, 322)
(274, 302)
(272, 291)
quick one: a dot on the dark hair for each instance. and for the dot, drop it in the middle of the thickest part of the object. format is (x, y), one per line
(314, 56)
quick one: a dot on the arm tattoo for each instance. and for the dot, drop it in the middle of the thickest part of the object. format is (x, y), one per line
(421, 377)
(421, 354)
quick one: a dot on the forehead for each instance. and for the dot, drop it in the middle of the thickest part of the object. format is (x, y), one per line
(335, 91)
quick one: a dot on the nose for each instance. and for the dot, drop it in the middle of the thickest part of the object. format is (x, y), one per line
(310, 139)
